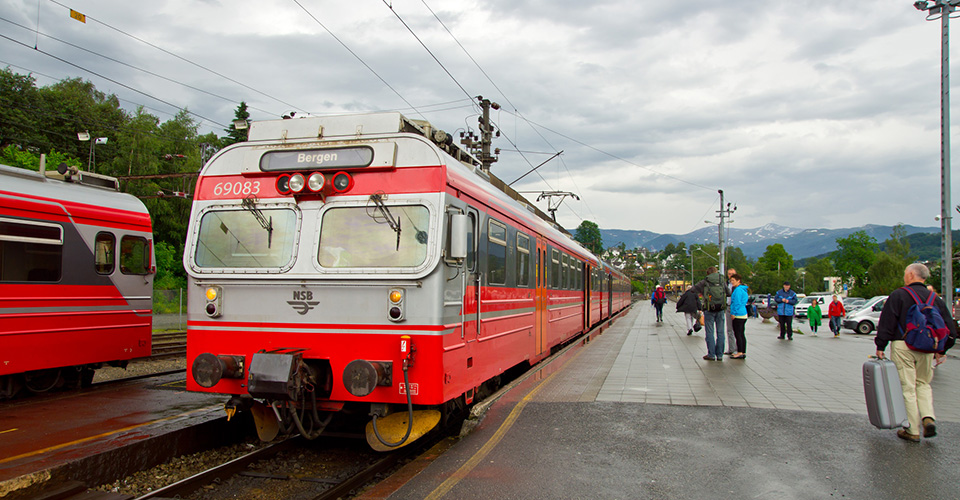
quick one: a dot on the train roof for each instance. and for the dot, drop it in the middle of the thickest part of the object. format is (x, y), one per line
(63, 197)
(463, 169)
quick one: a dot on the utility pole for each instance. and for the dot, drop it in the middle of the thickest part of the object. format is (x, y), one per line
(943, 9)
(486, 134)
(723, 214)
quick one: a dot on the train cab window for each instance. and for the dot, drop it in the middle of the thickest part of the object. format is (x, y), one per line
(104, 253)
(30, 251)
(555, 269)
(237, 239)
(134, 255)
(496, 253)
(523, 260)
(352, 237)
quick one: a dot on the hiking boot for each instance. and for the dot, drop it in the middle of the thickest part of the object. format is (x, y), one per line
(929, 427)
(903, 434)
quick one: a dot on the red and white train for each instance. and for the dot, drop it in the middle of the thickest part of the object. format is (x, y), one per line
(363, 265)
(76, 279)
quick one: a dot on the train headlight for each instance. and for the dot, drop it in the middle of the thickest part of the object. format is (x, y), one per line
(214, 306)
(283, 184)
(315, 182)
(342, 182)
(296, 183)
(395, 304)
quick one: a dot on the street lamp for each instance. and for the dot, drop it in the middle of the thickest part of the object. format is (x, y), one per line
(942, 9)
(92, 159)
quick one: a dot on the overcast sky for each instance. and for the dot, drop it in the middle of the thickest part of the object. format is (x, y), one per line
(805, 113)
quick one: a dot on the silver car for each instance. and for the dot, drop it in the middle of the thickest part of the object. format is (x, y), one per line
(864, 320)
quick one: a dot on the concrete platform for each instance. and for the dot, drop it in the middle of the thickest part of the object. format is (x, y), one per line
(637, 413)
(98, 434)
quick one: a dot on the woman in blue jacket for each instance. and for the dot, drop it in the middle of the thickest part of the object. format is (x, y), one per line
(738, 311)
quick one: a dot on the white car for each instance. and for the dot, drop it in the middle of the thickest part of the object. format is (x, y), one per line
(800, 310)
(865, 318)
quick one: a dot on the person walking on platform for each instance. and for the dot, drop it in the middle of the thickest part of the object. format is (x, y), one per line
(836, 312)
(714, 295)
(814, 316)
(731, 340)
(738, 311)
(658, 299)
(689, 305)
(914, 367)
(785, 300)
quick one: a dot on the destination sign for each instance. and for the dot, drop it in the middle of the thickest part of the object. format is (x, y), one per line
(317, 159)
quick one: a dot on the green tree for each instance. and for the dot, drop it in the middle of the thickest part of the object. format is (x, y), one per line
(816, 270)
(886, 275)
(773, 268)
(854, 256)
(898, 246)
(20, 102)
(234, 135)
(588, 234)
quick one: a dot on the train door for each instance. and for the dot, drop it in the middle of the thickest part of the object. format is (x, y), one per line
(585, 292)
(471, 300)
(610, 295)
(540, 313)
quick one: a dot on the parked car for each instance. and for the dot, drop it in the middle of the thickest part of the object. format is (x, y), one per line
(800, 310)
(853, 303)
(864, 320)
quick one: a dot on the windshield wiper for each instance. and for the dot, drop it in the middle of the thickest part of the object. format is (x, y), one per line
(377, 199)
(250, 204)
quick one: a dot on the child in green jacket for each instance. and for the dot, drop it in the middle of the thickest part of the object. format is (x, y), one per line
(814, 314)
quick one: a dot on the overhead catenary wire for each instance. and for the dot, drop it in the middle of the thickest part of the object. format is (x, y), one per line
(165, 51)
(151, 73)
(405, 25)
(354, 54)
(114, 81)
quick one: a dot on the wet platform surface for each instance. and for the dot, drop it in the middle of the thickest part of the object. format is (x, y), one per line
(637, 413)
(42, 435)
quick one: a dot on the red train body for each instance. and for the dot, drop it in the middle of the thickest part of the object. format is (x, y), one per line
(403, 264)
(75, 279)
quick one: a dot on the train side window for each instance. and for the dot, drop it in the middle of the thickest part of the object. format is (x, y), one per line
(30, 251)
(555, 269)
(565, 273)
(471, 242)
(496, 253)
(134, 255)
(523, 260)
(105, 253)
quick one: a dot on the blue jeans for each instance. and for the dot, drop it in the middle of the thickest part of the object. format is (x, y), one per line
(835, 324)
(713, 323)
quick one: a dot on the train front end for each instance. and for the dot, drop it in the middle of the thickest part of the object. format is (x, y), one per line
(316, 279)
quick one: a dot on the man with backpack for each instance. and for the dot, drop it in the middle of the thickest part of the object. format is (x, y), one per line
(918, 326)
(658, 299)
(715, 297)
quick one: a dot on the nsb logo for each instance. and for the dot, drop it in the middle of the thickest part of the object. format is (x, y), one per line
(302, 301)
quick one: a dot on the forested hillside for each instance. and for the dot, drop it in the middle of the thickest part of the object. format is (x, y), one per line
(47, 120)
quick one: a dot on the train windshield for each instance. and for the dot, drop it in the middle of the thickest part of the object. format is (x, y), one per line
(374, 236)
(237, 238)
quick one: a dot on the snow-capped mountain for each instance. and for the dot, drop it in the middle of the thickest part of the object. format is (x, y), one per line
(800, 243)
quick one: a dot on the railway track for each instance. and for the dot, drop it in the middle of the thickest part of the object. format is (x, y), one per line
(168, 345)
(292, 468)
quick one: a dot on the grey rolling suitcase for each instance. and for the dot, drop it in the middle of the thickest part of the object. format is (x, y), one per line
(881, 386)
